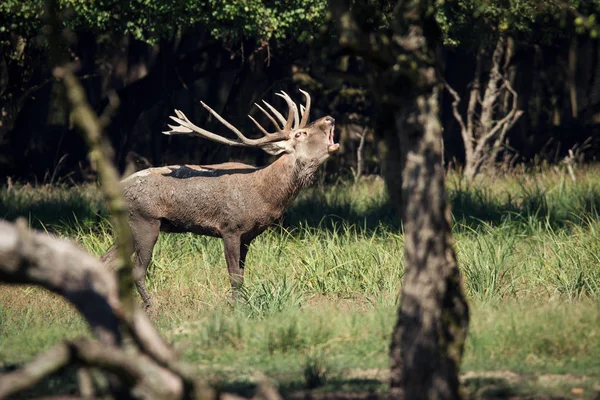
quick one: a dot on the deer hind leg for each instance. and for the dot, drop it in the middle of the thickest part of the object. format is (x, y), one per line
(145, 233)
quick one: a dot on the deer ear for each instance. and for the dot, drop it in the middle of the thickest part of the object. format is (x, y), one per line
(277, 148)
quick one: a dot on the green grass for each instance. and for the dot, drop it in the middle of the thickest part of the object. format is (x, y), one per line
(321, 286)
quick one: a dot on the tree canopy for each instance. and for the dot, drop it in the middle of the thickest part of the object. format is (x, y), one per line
(151, 21)
(463, 22)
(183, 45)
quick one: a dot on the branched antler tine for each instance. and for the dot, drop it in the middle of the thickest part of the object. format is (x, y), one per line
(269, 116)
(182, 127)
(276, 113)
(292, 112)
(239, 134)
(177, 129)
(185, 126)
(263, 130)
(306, 111)
(181, 115)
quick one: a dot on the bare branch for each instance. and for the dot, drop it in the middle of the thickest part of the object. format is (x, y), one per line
(35, 371)
(149, 340)
(63, 268)
(482, 135)
(463, 129)
(85, 383)
(109, 111)
(505, 123)
(474, 96)
(136, 370)
(359, 154)
(100, 154)
(493, 88)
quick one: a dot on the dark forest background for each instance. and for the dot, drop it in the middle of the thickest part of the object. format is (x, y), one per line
(157, 56)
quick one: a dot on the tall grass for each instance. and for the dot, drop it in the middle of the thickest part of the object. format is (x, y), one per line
(322, 285)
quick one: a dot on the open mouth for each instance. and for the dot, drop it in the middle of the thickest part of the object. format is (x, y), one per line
(332, 147)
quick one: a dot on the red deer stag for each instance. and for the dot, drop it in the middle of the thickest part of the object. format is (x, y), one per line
(233, 201)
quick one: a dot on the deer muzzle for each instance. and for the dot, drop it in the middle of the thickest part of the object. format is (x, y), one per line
(332, 147)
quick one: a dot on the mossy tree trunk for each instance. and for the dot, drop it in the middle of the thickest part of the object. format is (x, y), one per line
(428, 339)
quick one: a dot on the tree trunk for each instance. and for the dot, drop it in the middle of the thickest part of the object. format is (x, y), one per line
(571, 76)
(484, 136)
(429, 336)
(428, 340)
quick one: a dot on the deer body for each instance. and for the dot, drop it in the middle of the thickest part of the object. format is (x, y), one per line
(232, 201)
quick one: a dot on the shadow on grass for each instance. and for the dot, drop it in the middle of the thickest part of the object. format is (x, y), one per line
(64, 385)
(296, 389)
(501, 388)
(471, 208)
(316, 213)
(486, 387)
(371, 389)
(365, 207)
(53, 207)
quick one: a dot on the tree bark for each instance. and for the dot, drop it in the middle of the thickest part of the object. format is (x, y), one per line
(428, 340)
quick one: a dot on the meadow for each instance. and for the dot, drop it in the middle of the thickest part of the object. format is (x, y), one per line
(322, 287)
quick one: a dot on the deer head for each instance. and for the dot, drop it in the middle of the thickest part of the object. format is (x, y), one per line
(309, 142)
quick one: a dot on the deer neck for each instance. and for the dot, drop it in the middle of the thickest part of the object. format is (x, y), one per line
(282, 180)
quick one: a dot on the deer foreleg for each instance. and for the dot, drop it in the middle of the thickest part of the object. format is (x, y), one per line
(233, 252)
(243, 252)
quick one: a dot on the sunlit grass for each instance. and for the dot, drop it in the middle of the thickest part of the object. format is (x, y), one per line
(321, 286)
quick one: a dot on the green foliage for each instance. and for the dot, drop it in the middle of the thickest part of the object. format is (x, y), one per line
(153, 20)
(262, 19)
(475, 22)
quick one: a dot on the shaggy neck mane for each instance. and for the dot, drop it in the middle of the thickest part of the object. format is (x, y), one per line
(286, 176)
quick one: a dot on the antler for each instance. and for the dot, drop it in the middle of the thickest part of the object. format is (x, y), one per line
(186, 126)
(305, 110)
(287, 123)
(291, 123)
